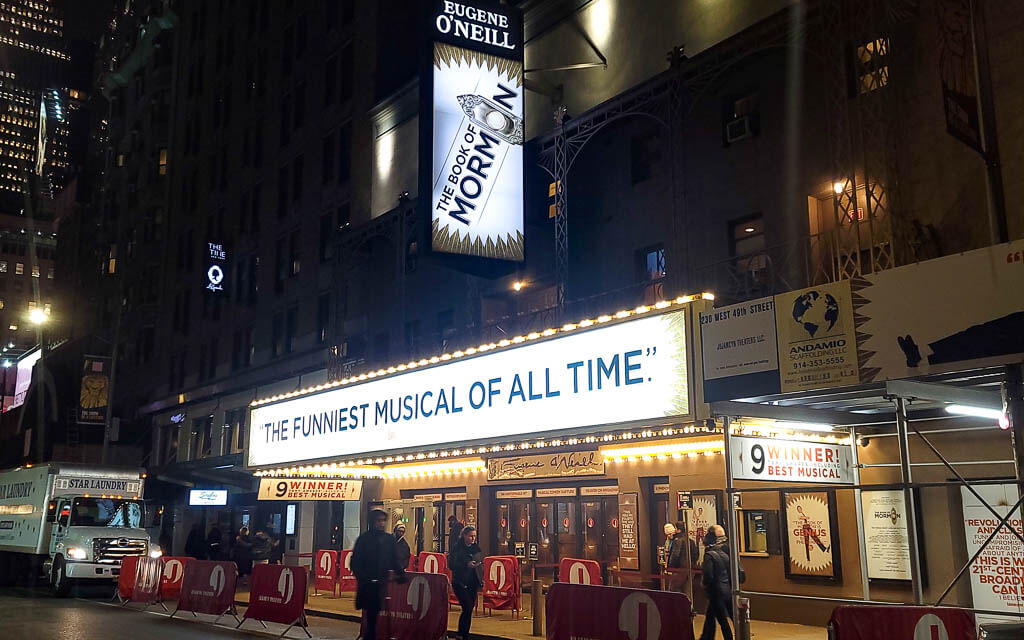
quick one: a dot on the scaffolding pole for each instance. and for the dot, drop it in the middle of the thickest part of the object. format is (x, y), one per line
(908, 498)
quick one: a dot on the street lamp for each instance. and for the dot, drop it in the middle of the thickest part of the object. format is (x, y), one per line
(37, 316)
(3, 391)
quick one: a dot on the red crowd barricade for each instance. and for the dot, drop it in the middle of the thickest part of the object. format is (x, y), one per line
(126, 578)
(577, 571)
(148, 575)
(174, 573)
(431, 562)
(594, 611)
(325, 576)
(883, 623)
(346, 579)
(208, 587)
(277, 594)
(501, 583)
(416, 609)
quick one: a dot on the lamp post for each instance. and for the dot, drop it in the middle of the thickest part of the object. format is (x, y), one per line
(3, 394)
(38, 317)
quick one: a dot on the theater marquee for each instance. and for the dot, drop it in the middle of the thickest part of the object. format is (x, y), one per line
(477, 151)
(631, 371)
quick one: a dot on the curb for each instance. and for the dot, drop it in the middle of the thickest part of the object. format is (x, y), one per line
(348, 617)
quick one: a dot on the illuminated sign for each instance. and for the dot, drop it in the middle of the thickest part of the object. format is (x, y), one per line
(477, 153)
(215, 269)
(309, 489)
(208, 497)
(629, 371)
(791, 460)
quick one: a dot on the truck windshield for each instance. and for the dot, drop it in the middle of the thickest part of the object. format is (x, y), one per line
(106, 512)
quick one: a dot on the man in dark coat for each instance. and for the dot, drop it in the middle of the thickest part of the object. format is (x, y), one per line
(717, 584)
(682, 554)
(373, 556)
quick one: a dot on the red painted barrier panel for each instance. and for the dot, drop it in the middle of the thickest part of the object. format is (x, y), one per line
(576, 571)
(885, 623)
(148, 575)
(416, 609)
(277, 594)
(501, 583)
(430, 562)
(346, 579)
(589, 611)
(208, 587)
(174, 573)
(325, 576)
(126, 579)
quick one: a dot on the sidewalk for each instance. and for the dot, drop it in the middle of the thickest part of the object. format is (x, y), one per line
(500, 625)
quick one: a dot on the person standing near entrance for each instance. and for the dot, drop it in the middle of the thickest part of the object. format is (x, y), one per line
(681, 555)
(454, 531)
(466, 562)
(373, 556)
(401, 546)
(717, 584)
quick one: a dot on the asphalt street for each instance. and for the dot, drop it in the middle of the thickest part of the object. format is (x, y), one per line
(88, 615)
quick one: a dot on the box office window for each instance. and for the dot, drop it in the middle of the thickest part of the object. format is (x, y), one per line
(759, 532)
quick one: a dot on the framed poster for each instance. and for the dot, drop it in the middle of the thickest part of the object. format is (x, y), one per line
(811, 533)
(706, 511)
(886, 539)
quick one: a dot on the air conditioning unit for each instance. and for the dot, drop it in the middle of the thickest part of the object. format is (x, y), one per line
(738, 129)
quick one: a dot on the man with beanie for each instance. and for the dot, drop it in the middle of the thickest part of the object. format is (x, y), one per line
(717, 584)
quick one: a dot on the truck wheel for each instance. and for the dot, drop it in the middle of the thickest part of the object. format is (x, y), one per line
(59, 580)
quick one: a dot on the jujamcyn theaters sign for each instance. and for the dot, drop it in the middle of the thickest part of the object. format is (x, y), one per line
(477, 168)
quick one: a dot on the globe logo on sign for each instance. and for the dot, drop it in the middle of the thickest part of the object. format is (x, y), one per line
(286, 585)
(325, 564)
(578, 573)
(217, 579)
(418, 597)
(173, 570)
(814, 312)
(497, 574)
(634, 606)
(930, 627)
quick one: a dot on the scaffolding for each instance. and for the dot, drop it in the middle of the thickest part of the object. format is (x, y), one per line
(883, 411)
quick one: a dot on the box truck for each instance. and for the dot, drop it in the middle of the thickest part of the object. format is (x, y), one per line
(72, 521)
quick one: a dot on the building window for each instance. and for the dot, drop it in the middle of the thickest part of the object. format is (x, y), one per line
(298, 175)
(330, 76)
(281, 264)
(282, 192)
(872, 65)
(3, 266)
(19, 268)
(277, 331)
(162, 163)
(49, 273)
(35, 271)
(747, 244)
(286, 123)
(327, 168)
(326, 237)
(345, 79)
(741, 118)
(287, 51)
(300, 105)
(294, 254)
(291, 328)
(652, 263)
(254, 215)
(323, 317)
(345, 153)
(644, 154)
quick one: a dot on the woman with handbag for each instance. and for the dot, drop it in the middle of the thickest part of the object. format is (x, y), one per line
(466, 562)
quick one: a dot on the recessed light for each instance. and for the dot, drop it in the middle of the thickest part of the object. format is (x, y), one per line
(749, 229)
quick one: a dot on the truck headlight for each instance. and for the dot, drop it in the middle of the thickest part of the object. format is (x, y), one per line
(76, 553)
(156, 553)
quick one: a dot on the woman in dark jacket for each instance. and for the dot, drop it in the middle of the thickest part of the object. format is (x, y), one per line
(242, 552)
(466, 562)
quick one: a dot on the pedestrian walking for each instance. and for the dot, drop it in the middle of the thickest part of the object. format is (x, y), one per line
(466, 562)
(195, 544)
(242, 551)
(276, 550)
(213, 544)
(717, 584)
(373, 556)
(262, 547)
(681, 556)
(401, 546)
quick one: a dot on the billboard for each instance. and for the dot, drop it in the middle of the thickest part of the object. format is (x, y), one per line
(94, 392)
(477, 130)
(631, 371)
(23, 379)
